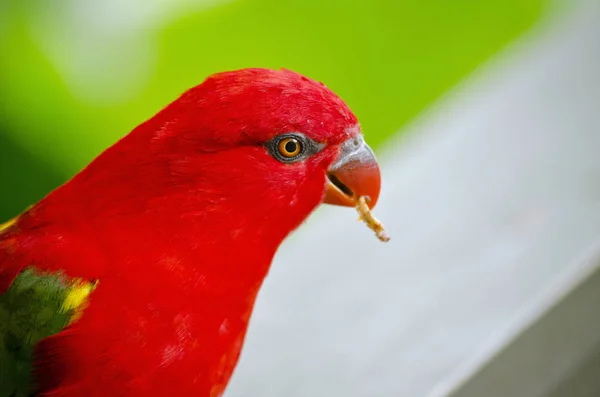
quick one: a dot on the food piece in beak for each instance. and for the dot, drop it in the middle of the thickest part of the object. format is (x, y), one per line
(354, 180)
(367, 217)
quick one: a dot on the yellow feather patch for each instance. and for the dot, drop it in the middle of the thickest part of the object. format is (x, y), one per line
(4, 226)
(78, 298)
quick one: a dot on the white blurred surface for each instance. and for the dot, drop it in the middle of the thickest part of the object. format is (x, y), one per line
(490, 202)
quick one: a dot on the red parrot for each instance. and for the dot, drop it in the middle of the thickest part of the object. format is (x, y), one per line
(138, 276)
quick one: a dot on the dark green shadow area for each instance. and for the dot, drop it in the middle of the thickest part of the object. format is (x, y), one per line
(24, 178)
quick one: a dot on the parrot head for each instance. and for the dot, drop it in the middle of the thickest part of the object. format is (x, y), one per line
(274, 143)
(245, 156)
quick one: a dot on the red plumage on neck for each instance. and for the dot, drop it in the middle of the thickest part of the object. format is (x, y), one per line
(179, 222)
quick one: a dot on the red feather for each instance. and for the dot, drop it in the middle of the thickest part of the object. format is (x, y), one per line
(179, 222)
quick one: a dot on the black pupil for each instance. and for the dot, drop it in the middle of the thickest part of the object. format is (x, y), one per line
(291, 146)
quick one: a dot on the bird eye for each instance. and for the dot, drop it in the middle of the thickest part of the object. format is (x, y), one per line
(292, 147)
(289, 147)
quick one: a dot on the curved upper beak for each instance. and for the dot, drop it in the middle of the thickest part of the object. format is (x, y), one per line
(355, 173)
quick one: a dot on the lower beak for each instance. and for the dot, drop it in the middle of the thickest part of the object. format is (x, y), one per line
(355, 173)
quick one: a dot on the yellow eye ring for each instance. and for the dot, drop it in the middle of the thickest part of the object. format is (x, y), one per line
(289, 147)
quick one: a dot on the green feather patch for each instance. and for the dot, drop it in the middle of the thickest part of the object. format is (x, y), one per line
(36, 305)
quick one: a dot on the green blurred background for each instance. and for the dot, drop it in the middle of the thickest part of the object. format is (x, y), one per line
(75, 75)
